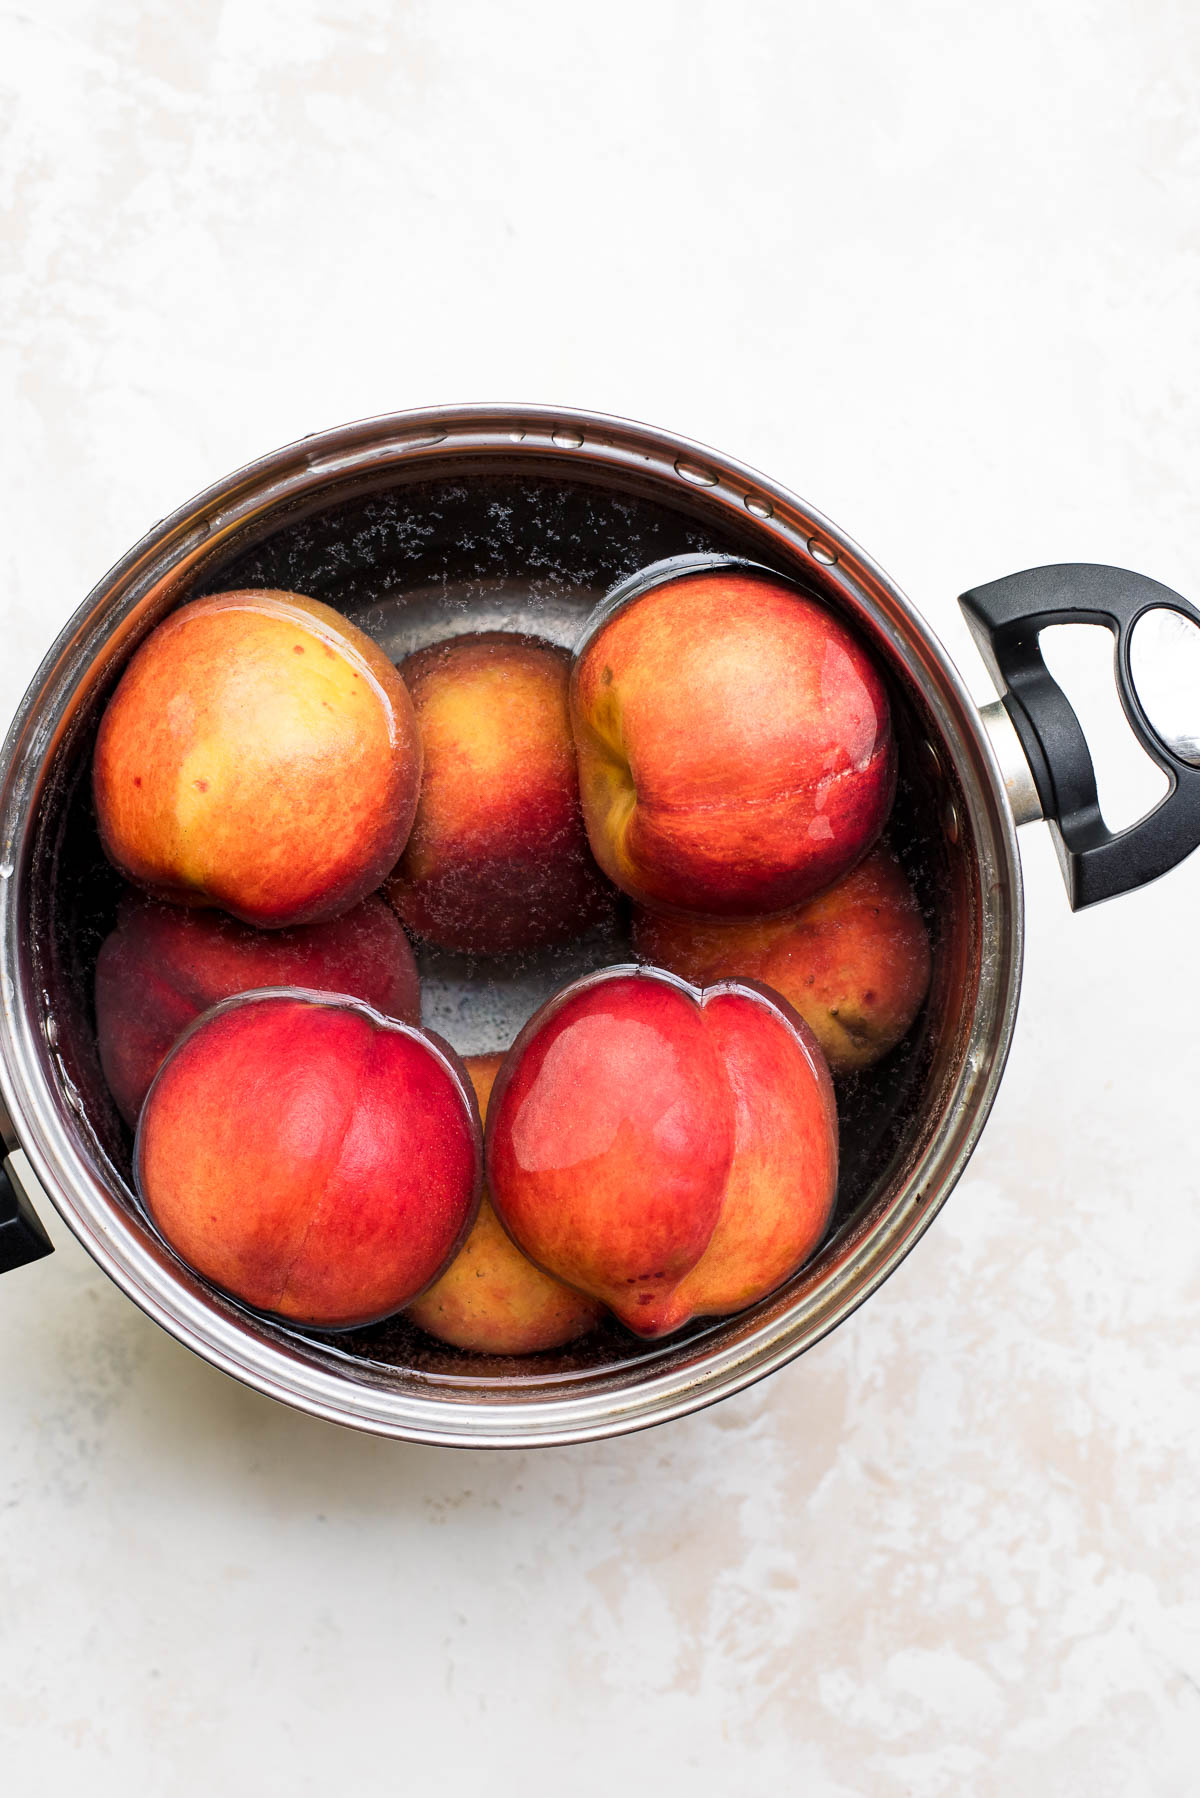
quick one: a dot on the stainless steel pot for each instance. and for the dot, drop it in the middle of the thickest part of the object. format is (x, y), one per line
(422, 523)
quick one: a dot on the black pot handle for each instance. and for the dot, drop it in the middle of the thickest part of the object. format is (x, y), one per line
(22, 1237)
(1005, 618)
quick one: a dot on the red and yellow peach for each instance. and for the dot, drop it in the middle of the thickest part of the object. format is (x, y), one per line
(311, 1157)
(497, 860)
(854, 962)
(734, 744)
(492, 1299)
(671, 1152)
(163, 965)
(259, 754)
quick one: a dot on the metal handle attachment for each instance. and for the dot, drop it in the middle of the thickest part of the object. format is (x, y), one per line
(1006, 618)
(22, 1237)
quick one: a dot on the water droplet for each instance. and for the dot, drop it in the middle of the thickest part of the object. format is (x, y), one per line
(950, 823)
(567, 438)
(6, 870)
(699, 477)
(415, 439)
(517, 436)
(761, 508)
(821, 552)
(50, 1027)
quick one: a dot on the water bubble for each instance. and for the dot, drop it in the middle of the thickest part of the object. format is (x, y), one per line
(691, 471)
(760, 507)
(567, 438)
(821, 552)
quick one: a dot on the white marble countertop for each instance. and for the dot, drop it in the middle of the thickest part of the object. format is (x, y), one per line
(935, 268)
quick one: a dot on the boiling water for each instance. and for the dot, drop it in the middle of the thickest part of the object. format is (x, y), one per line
(412, 564)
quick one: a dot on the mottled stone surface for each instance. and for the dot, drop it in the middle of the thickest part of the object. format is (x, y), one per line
(935, 267)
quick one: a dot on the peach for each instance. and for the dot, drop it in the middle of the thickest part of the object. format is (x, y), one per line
(491, 1298)
(163, 965)
(854, 962)
(311, 1157)
(497, 860)
(734, 743)
(669, 1150)
(259, 754)
(782, 1181)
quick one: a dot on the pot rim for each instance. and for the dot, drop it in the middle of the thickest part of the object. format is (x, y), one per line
(578, 442)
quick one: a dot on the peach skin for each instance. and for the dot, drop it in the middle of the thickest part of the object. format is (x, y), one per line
(311, 1157)
(259, 754)
(163, 965)
(854, 962)
(610, 1135)
(498, 860)
(492, 1299)
(734, 744)
(783, 1178)
(670, 1151)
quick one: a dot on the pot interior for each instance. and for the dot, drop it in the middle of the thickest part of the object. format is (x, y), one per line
(414, 553)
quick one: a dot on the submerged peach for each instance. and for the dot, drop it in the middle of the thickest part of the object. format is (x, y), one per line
(672, 1152)
(259, 754)
(498, 860)
(854, 961)
(163, 965)
(734, 742)
(311, 1157)
(491, 1298)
